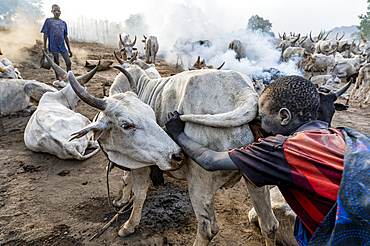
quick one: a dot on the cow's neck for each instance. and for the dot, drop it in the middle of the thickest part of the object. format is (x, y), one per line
(68, 97)
(149, 90)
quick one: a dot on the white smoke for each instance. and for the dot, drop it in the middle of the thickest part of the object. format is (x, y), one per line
(172, 21)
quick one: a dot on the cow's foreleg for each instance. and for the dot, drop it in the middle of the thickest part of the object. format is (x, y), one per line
(266, 218)
(202, 187)
(141, 182)
(125, 192)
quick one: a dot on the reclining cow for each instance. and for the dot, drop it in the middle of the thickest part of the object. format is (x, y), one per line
(21, 95)
(9, 70)
(130, 137)
(55, 118)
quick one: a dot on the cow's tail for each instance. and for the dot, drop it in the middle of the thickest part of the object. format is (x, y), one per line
(242, 114)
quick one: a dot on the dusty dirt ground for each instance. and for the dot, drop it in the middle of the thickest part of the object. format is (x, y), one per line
(48, 201)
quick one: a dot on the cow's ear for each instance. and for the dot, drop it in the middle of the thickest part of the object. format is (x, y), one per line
(134, 48)
(143, 41)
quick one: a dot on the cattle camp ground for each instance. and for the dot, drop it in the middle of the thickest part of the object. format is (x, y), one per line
(48, 201)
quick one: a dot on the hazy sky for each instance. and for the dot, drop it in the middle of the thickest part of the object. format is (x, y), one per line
(285, 15)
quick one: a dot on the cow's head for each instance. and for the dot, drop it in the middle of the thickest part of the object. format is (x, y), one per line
(127, 130)
(327, 108)
(127, 47)
(127, 63)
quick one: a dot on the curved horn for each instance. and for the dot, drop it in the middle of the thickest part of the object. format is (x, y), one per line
(363, 38)
(299, 35)
(129, 78)
(342, 36)
(2, 69)
(133, 43)
(331, 52)
(62, 74)
(311, 36)
(336, 37)
(86, 78)
(84, 95)
(352, 50)
(343, 89)
(120, 38)
(278, 34)
(133, 58)
(303, 39)
(327, 35)
(118, 59)
(284, 36)
(221, 66)
(144, 37)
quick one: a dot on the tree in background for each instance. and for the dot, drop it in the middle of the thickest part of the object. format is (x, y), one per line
(12, 10)
(364, 26)
(135, 25)
(258, 23)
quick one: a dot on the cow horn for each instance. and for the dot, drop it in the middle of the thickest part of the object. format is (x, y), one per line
(344, 89)
(311, 36)
(120, 38)
(327, 35)
(336, 37)
(279, 35)
(303, 39)
(284, 36)
(133, 43)
(129, 78)
(2, 69)
(342, 36)
(331, 52)
(221, 66)
(63, 74)
(133, 58)
(363, 38)
(83, 79)
(299, 35)
(144, 37)
(119, 59)
(84, 95)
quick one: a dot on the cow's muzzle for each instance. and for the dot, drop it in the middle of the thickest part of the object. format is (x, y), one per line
(177, 160)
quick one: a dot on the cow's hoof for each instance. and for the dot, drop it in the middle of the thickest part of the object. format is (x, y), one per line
(123, 232)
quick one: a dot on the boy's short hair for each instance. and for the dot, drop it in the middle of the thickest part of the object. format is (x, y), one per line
(295, 93)
(55, 5)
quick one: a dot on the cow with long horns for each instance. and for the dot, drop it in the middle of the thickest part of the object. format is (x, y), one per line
(49, 127)
(126, 46)
(128, 132)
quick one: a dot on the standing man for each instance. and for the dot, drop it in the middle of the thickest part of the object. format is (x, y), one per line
(55, 30)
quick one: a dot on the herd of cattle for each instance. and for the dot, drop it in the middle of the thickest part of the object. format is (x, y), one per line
(130, 126)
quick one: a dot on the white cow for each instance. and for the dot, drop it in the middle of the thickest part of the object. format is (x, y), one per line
(343, 69)
(18, 94)
(49, 127)
(320, 61)
(259, 86)
(216, 118)
(8, 70)
(363, 84)
(321, 80)
(126, 46)
(237, 46)
(151, 48)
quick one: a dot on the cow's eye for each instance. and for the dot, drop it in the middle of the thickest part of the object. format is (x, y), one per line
(128, 126)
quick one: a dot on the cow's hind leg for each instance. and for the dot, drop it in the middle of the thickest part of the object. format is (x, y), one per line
(266, 218)
(126, 191)
(141, 182)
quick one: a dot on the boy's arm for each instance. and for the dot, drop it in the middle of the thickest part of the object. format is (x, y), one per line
(45, 41)
(208, 159)
(69, 48)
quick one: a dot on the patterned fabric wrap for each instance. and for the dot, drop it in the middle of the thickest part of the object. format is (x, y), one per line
(56, 33)
(348, 222)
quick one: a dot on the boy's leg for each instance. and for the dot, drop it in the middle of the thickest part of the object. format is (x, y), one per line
(68, 62)
(56, 60)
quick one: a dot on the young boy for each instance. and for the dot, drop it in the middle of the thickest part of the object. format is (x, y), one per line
(55, 31)
(302, 156)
